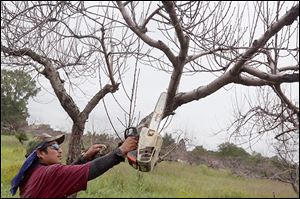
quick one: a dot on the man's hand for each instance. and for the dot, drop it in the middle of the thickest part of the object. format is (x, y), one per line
(93, 150)
(129, 144)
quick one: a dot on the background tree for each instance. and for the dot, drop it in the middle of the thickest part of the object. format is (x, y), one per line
(16, 89)
(21, 136)
(275, 116)
(199, 150)
(231, 150)
(289, 165)
(168, 140)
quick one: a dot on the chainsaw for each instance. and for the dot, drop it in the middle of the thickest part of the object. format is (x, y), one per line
(150, 141)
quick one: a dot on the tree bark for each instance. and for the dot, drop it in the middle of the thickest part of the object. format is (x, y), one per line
(74, 143)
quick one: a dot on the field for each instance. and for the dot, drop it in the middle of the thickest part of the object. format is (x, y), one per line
(172, 180)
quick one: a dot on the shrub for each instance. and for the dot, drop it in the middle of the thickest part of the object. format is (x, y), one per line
(21, 136)
(229, 149)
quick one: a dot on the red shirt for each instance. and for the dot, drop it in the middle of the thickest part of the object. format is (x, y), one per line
(55, 181)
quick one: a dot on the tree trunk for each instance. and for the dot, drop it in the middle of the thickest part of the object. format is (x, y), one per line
(295, 188)
(74, 143)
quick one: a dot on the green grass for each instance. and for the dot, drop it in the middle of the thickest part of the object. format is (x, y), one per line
(12, 156)
(167, 180)
(177, 180)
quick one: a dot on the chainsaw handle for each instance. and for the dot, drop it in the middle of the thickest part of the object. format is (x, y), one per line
(131, 155)
(131, 131)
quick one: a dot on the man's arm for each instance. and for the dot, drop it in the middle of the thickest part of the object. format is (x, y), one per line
(104, 163)
(79, 160)
(89, 155)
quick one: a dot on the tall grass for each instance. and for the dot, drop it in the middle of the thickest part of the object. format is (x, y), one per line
(12, 156)
(177, 180)
(167, 180)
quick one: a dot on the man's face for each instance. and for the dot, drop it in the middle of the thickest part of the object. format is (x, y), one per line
(53, 154)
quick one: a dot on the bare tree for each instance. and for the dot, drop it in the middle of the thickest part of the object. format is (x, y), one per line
(270, 115)
(290, 171)
(275, 111)
(210, 37)
(65, 42)
(236, 43)
(199, 37)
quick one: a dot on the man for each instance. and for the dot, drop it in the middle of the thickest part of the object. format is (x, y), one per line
(42, 174)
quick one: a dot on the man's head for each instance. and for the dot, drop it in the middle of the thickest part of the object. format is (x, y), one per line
(47, 148)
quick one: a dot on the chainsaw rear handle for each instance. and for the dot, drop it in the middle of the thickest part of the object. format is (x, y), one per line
(132, 155)
(131, 131)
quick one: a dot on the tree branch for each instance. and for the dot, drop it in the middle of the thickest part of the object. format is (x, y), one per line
(50, 73)
(95, 100)
(281, 95)
(286, 20)
(151, 42)
(200, 92)
(170, 8)
(279, 78)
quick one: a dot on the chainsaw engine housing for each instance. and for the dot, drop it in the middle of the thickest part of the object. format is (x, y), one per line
(149, 146)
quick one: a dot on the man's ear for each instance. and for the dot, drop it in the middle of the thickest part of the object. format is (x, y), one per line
(40, 153)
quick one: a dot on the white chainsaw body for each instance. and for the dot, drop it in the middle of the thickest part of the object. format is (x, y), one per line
(150, 141)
